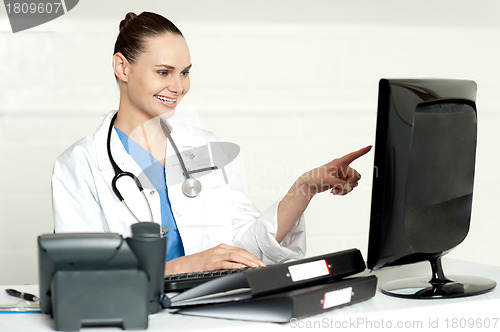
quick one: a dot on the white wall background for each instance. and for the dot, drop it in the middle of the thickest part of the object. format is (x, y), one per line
(294, 83)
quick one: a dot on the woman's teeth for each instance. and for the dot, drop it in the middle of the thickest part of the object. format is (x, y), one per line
(166, 100)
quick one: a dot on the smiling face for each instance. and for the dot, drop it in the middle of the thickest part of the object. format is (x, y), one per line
(154, 84)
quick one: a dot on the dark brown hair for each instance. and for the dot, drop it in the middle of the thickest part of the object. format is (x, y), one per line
(134, 30)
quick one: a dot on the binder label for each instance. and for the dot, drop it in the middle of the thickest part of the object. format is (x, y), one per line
(337, 297)
(308, 270)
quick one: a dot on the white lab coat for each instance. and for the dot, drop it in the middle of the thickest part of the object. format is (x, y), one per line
(83, 200)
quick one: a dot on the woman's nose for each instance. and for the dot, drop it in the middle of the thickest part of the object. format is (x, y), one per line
(175, 86)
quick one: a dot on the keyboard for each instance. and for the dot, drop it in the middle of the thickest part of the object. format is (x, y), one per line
(183, 281)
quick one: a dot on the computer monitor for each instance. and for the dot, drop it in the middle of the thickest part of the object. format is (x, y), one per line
(423, 179)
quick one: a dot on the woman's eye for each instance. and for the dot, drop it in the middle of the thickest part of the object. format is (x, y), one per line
(185, 73)
(163, 72)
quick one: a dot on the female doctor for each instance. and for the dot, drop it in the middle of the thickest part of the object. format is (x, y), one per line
(219, 228)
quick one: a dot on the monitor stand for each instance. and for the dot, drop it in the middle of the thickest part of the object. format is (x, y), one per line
(439, 286)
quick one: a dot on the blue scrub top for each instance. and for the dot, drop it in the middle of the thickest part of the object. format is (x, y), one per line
(155, 172)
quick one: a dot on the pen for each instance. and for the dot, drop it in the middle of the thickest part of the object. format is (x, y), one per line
(24, 296)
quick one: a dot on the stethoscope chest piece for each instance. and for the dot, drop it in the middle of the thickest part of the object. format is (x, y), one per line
(191, 187)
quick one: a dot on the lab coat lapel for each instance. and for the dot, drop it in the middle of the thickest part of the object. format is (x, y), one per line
(183, 136)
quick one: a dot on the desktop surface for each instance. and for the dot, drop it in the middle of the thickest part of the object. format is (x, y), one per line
(382, 311)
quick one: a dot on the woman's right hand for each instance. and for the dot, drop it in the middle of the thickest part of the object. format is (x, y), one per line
(221, 257)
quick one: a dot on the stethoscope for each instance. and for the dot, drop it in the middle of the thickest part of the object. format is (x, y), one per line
(191, 187)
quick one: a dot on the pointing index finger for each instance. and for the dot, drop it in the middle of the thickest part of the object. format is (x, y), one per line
(350, 157)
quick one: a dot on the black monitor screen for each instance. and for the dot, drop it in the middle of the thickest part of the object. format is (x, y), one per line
(424, 169)
(423, 179)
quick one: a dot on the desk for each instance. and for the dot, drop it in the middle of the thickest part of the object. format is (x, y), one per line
(479, 313)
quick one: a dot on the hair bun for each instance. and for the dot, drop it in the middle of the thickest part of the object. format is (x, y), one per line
(129, 17)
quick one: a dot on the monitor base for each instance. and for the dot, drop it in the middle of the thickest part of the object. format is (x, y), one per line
(439, 286)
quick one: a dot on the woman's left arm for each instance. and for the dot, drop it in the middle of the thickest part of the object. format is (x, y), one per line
(335, 176)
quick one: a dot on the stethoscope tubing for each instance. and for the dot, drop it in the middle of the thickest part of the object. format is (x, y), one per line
(119, 173)
(166, 131)
(191, 187)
